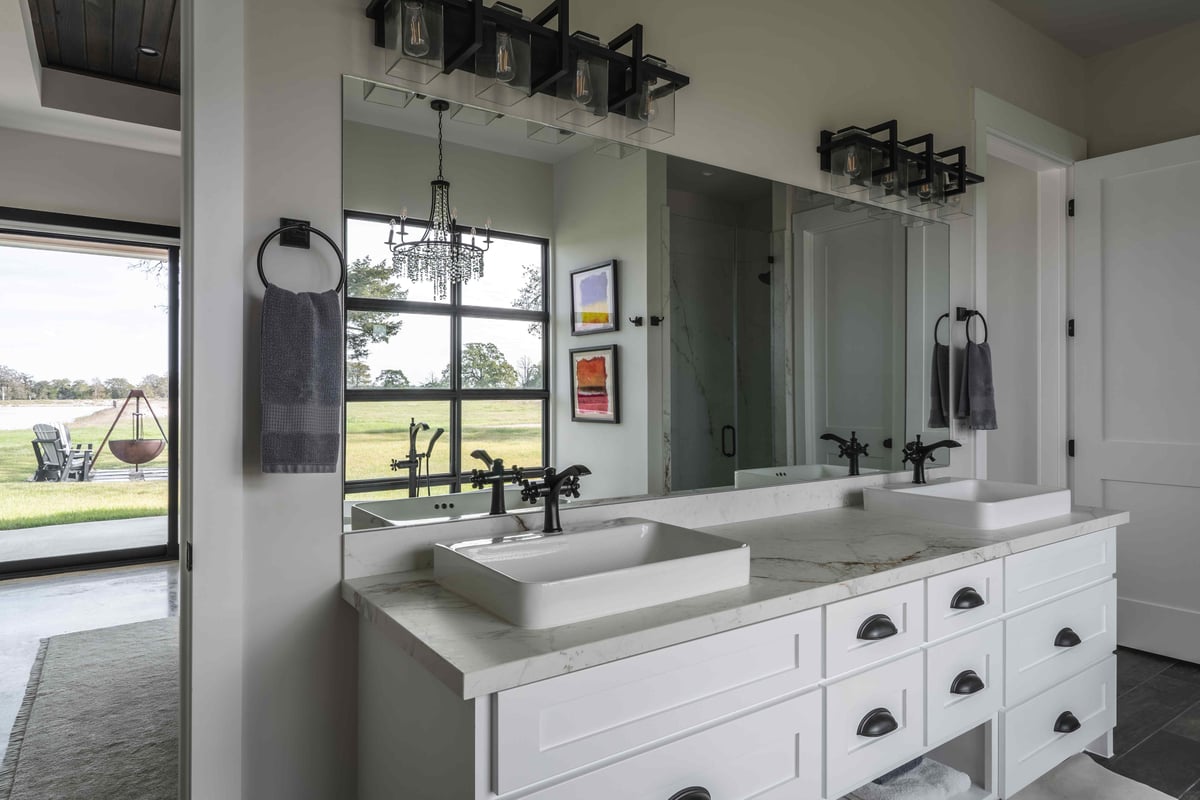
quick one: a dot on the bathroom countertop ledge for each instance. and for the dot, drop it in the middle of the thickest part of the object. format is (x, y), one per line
(797, 562)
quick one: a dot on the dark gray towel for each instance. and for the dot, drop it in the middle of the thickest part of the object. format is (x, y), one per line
(939, 387)
(301, 352)
(976, 394)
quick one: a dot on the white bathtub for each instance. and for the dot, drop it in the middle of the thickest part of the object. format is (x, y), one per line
(797, 473)
(388, 513)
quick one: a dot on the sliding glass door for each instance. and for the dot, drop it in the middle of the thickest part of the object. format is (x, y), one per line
(89, 365)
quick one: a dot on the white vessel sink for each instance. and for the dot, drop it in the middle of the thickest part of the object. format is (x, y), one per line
(539, 581)
(797, 473)
(970, 503)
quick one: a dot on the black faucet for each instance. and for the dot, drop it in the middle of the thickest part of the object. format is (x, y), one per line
(918, 453)
(494, 475)
(554, 484)
(848, 449)
(413, 462)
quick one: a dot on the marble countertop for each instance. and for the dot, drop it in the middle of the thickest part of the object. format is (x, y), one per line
(797, 562)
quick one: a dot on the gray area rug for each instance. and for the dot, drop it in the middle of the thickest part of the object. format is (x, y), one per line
(1081, 778)
(100, 718)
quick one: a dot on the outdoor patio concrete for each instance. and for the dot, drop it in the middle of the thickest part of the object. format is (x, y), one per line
(82, 537)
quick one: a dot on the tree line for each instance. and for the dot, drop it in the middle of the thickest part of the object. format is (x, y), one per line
(17, 385)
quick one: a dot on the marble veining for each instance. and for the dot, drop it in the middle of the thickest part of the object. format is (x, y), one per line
(798, 561)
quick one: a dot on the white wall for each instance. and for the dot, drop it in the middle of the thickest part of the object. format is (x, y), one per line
(266, 142)
(70, 176)
(1012, 317)
(602, 207)
(1144, 93)
(385, 170)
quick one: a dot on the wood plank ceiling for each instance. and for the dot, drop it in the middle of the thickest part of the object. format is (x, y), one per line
(136, 41)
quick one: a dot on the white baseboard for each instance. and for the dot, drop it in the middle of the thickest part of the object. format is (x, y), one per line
(1165, 630)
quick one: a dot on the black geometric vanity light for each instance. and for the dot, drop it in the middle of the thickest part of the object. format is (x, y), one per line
(514, 56)
(875, 162)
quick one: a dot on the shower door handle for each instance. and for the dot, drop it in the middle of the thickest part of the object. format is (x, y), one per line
(728, 441)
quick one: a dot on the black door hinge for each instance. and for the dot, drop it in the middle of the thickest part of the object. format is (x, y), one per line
(1071, 207)
(1071, 328)
(1071, 448)
(187, 556)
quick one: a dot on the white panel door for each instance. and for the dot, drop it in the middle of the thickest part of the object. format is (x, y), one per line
(1135, 297)
(857, 304)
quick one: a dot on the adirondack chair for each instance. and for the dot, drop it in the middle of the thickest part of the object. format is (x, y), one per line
(57, 459)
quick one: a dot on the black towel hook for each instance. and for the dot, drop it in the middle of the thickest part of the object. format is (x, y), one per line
(965, 314)
(305, 227)
(937, 325)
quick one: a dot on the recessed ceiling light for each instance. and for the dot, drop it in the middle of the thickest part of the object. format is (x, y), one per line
(708, 173)
(148, 51)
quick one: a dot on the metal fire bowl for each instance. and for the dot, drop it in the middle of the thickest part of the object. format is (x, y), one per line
(136, 451)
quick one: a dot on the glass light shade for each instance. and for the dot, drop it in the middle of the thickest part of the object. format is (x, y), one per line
(890, 186)
(851, 162)
(583, 91)
(650, 116)
(958, 206)
(474, 116)
(503, 66)
(925, 192)
(413, 40)
(546, 133)
(386, 95)
(610, 148)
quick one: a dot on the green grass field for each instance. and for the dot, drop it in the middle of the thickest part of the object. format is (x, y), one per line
(378, 432)
(375, 434)
(28, 505)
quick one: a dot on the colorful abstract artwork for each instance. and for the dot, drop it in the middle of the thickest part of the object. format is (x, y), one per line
(594, 384)
(594, 299)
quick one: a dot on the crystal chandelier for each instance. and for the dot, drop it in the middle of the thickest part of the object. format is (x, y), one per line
(440, 256)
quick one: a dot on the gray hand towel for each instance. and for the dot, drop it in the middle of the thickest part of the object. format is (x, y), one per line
(939, 387)
(301, 352)
(976, 394)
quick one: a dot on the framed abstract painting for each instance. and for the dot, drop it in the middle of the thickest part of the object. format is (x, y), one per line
(594, 385)
(594, 299)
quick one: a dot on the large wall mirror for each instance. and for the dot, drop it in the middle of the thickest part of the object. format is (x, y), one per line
(672, 325)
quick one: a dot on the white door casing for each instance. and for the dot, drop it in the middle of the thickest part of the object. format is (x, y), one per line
(1135, 367)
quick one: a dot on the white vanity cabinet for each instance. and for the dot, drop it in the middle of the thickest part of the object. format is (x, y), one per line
(1005, 667)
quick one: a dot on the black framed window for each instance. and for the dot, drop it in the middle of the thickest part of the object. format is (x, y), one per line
(474, 364)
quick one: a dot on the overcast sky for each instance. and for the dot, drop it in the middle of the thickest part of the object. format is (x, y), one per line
(71, 315)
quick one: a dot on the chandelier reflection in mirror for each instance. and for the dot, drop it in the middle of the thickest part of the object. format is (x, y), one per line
(440, 256)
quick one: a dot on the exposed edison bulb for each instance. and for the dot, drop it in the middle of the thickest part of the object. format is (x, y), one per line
(416, 30)
(506, 68)
(647, 108)
(925, 190)
(853, 167)
(582, 91)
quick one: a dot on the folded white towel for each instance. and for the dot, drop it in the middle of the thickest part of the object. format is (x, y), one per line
(930, 780)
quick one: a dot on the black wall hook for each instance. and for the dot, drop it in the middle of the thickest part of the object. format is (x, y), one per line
(637, 321)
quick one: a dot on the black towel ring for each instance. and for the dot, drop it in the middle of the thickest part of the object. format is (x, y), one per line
(982, 319)
(301, 227)
(937, 325)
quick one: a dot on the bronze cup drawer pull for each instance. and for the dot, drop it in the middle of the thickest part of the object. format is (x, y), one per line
(876, 723)
(876, 627)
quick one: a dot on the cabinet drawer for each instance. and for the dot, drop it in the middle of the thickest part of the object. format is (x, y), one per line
(773, 754)
(963, 682)
(548, 728)
(853, 758)
(1030, 745)
(1034, 662)
(1045, 572)
(850, 626)
(963, 599)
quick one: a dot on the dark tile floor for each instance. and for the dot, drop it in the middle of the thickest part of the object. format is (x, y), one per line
(1157, 740)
